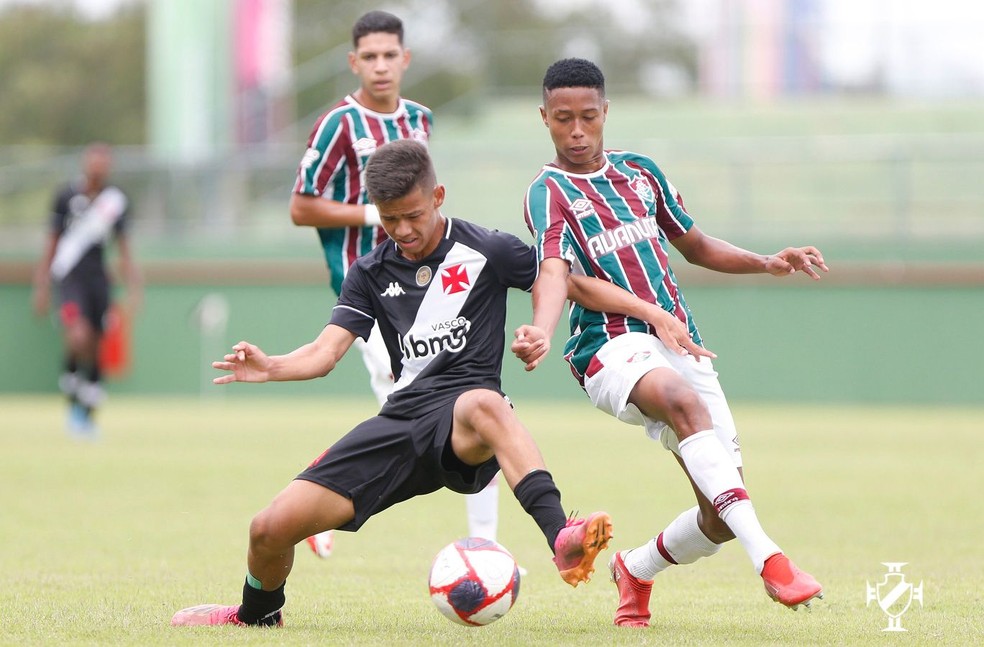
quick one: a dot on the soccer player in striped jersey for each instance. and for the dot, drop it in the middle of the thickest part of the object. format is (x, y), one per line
(611, 214)
(330, 195)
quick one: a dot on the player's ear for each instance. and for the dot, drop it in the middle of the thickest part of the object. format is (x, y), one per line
(543, 116)
(406, 58)
(439, 193)
(351, 61)
(604, 110)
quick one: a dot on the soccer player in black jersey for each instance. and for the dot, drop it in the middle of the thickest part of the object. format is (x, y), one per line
(88, 214)
(437, 288)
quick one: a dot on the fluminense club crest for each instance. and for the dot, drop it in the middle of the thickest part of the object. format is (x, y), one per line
(643, 189)
(894, 595)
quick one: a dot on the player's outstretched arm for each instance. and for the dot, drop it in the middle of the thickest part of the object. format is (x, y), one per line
(532, 342)
(793, 259)
(248, 363)
(315, 211)
(530, 346)
(721, 256)
(604, 296)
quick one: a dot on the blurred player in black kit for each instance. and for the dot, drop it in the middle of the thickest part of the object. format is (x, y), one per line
(87, 214)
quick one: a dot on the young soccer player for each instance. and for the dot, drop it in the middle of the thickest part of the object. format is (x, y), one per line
(88, 214)
(437, 290)
(610, 214)
(329, 195)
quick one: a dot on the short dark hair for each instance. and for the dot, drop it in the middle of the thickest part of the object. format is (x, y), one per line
(375, 22)
(573, 73)
(397, 168)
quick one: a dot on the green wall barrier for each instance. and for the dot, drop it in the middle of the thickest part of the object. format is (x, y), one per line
(794, 340)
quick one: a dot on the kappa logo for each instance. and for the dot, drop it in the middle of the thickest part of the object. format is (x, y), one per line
(582, 208)
(454, 279)
(394, 289)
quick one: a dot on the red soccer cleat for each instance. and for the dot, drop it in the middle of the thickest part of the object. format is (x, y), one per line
(787, 584)
(633, 595)
(217, 614)
(577, 545)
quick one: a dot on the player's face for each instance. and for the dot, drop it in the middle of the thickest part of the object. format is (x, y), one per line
(379, 61)
(576, 120)
(414, 221)
(96, 166)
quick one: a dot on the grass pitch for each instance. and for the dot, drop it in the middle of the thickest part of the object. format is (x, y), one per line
(101, 542)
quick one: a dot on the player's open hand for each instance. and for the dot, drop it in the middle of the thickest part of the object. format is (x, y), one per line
(792, 259)
(246, 363)
(674, 334)
(531, 345)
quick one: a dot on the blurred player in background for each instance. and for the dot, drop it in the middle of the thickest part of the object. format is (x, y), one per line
(87, 214)
(610, 214)
(329, 195)
(438, 293)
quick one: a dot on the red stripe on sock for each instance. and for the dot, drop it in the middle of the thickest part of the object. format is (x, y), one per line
(662, 549)
(728, 498)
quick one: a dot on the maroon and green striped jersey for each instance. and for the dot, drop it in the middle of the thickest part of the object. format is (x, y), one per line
(332, 167)
(614, 224)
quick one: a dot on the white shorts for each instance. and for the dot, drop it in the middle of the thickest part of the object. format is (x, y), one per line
(620, 364)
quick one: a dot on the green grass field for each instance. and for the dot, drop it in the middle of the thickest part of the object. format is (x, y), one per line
(101, 542)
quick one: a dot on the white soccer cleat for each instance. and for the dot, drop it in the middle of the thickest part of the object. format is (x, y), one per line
(322, 543)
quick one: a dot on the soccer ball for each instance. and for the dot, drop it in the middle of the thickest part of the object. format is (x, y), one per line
(474, 581)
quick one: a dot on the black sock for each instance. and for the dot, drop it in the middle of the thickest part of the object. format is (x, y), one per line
(261, 607)
(540, 498)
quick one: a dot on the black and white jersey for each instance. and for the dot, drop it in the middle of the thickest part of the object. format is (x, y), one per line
(443, 318)
(73, 219)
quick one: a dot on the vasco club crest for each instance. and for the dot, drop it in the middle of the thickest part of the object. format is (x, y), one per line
(894, 595)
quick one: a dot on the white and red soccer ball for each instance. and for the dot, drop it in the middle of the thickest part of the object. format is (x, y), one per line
(474, 581)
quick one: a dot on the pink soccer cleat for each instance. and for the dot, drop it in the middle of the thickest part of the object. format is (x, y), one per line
(577, 545)
(217, 614)
(787, 584)
(633, 594)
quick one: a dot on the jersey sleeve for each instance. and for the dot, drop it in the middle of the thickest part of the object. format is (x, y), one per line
(354, 310)
(546, 210)
(122, 224)
(670, 214)
(58, 219)
(514, 261)
(325, 154)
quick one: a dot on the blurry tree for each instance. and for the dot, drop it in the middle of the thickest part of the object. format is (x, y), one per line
(467, 50)
(67, 80)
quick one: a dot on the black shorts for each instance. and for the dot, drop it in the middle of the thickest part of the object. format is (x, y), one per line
(386, 460)
(87, 298)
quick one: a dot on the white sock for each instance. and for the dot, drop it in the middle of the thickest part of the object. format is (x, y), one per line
(719, 480)
(682, 542)
(483, 511)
